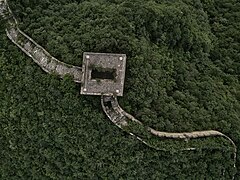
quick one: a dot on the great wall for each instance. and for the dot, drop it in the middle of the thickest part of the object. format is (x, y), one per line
(109, 103)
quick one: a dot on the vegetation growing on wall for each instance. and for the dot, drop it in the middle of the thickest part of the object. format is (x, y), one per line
(182, 74)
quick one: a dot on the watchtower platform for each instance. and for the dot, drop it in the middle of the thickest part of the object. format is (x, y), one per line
(103, 74)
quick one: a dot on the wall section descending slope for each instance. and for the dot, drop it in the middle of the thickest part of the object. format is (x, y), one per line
(121, 119)
(40, 56)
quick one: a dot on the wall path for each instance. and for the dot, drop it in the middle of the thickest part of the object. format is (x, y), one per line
(39, 55)
(109, 103)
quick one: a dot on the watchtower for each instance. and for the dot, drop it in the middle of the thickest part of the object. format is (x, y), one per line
(103, 73)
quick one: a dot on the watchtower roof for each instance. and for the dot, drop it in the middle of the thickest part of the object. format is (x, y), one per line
(103, 73)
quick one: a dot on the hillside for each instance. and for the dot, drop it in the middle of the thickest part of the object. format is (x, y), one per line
(183, 73)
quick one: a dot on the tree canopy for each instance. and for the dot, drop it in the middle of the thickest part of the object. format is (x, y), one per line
(183, 73)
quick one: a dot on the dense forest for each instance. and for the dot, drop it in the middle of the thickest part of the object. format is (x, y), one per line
(183, 73)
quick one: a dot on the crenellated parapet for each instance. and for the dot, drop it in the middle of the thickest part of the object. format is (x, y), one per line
(122, 119)
(4, 12)
(39, 55)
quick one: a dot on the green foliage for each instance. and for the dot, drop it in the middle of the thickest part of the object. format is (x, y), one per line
(183, 74)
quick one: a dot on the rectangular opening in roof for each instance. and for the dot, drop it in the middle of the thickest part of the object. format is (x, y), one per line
(101, 73)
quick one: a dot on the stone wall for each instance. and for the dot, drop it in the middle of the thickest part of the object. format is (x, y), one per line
(39, 55)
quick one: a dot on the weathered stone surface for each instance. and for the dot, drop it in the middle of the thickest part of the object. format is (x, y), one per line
(121, 118)
(47, 62)
(3, 8)
(104, 62)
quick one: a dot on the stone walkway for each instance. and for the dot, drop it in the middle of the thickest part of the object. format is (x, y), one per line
(40, 56)
(121, 118)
